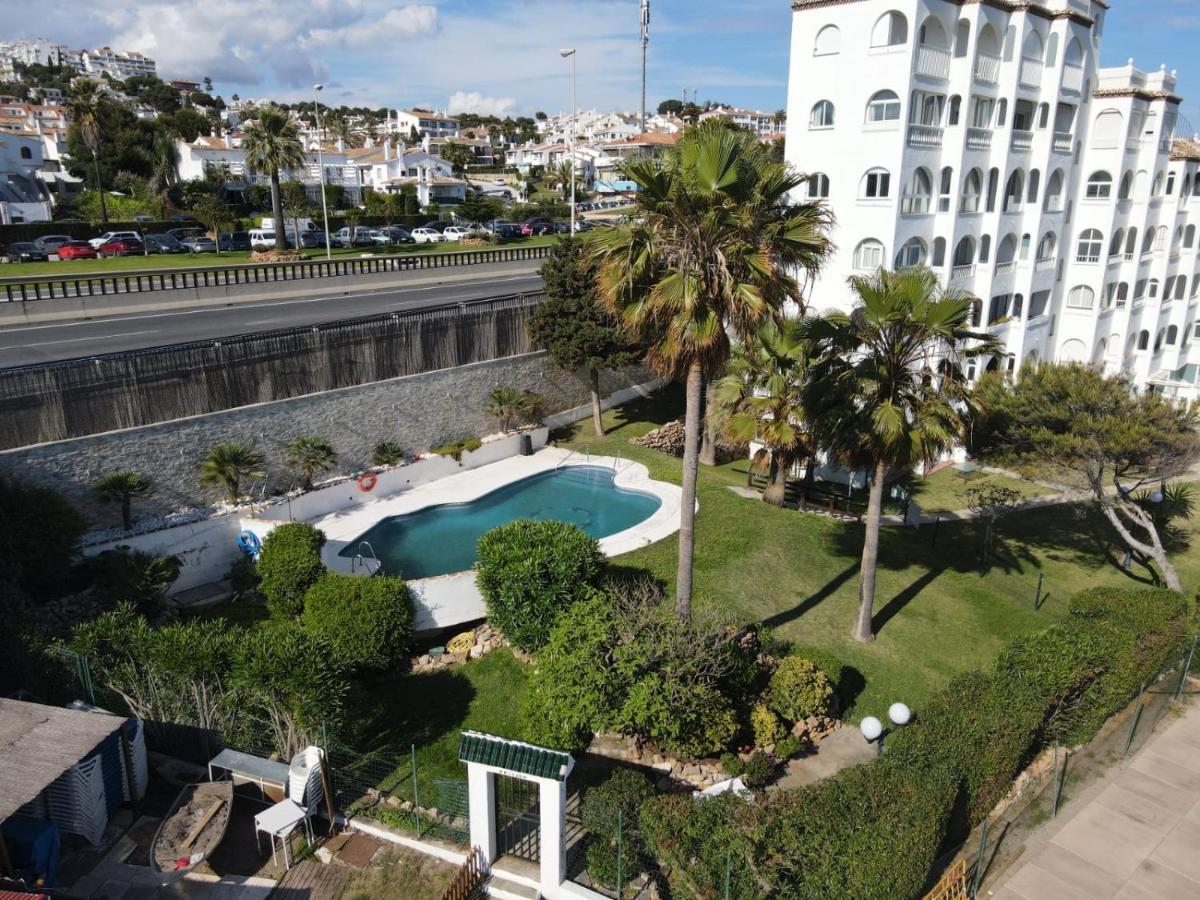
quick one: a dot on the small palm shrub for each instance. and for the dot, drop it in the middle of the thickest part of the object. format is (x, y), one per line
(387, 453)
(798, 689)
(123, 487)
(289, 564)
(229, 465)
(510, 407)
(308, 456)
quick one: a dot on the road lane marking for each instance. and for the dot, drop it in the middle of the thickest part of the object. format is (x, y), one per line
(98, 337)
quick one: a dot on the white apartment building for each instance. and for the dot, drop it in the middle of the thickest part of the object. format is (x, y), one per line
(426, 122)
(26, 53)
(761, 123)
(120, 64)
(983, 140)
(23, 195)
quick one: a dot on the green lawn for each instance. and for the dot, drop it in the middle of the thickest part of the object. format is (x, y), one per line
(85, 267)
(943, 490)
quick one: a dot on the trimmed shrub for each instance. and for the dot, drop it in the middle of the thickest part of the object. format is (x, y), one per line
(455, 449)
(529, 572)
(289, 564)
(367, 621)
(765, 725)
(798, 689)
(623, 792)
(683, 717)
(835, 670)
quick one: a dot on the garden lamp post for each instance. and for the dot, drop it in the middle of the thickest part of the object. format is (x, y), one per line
(570, 53)
(321, 165)
(872, 729)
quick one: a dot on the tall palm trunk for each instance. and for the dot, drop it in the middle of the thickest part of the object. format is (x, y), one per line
(708, 435)
(597, 421)
(870, 558)
(277, 212)
(687, 509)
(100, 188)
(776, 492)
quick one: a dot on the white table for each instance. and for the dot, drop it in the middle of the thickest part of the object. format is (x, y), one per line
(279, 821)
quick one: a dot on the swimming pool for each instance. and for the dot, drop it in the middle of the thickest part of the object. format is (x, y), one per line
(440, 540)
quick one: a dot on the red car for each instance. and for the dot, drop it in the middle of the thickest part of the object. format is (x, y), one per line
(76, 250)
(121, 247)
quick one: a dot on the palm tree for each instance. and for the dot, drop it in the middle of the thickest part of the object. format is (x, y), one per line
(165, 159)
(763, 399)
(506, 405)
(271, 144)
(715, 248)
(228, 464)
(561, 176)
(123, 487)
(779, 117)
(88, 106)
(309, 455)
(874, 392)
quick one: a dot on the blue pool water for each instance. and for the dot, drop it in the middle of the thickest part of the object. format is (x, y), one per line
(440, 540)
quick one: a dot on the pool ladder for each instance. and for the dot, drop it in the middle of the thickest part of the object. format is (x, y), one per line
(586, 452)
(359, 559)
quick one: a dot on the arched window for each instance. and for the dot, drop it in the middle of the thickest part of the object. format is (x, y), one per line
(918, 194)
(1187, 187)
(1055, 191)
(876, 184)
(1126, 186)
(947, 182)
(955, 114)
(1074, 57)
(1035, 184)
(26, 153)
(1110, 128)
(1160, 238)
(1143, 340)
(985, 248)
(1007, 251)
(939, 253)
(1099, 186)
(884, 107)
(1168, 289)
(868, 254)
(993, 188)
(818, 186)
(1172, 335)
(1196, 186)
(912, 254)
(1117, 244)
(1122, 294)
(1018, 306)
(1033, 47)
(1002, 112)
(829, 41)
(1158, 340)
(1047, 247)
(890, 31)
(1026, 244)
(1180, 287)
(1101, 350)
(1152, 289)
(821, 115)
(964, 251)
(989, 40)
(1014, 191)
(972, 192)
(1170, 183)
(962, 39)
(1148, 241)
(1081, 297)
(1141, 183)
(1189, 236)
(1091, 245)
(1131, 243)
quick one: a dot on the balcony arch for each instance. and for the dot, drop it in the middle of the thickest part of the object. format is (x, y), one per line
(1033, 48)
(891, 30)
(1007, 251)
(962, 39)
(1047, 247)
(918, 195)
(1075, 53)
(933, 33)
(1126, 186)
(971, 196)
(964, 252)
(1014, 191)
(1117, 244)
(913, 254)
(1055, 191)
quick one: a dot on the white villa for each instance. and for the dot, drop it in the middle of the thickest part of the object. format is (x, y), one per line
(983, 140)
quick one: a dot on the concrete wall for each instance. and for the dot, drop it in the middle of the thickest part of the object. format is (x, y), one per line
(419, 411)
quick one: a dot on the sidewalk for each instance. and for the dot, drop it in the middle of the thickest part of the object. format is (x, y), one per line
(1134, 835)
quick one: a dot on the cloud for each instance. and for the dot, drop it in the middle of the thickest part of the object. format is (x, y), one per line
(405, 21)
(475, 102)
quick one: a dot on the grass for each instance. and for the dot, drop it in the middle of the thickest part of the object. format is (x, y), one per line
(943, 490)
(401, 875)
(83, 268)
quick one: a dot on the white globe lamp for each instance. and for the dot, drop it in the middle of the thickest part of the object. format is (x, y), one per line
(899, 714)
(872, 728)
(1156, 496)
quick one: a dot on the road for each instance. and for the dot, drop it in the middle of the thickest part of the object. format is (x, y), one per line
(33, 344)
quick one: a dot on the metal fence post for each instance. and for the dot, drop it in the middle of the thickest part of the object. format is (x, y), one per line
(1062, 777)
(1037, 597)
(416, 800)
(983, 839)
(1187, 666)
(620, 869)
(1137, 715)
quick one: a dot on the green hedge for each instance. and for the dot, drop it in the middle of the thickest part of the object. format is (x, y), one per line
(289, 564)
(367, 621)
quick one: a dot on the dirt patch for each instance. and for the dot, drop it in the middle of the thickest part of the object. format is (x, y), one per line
(401, 874)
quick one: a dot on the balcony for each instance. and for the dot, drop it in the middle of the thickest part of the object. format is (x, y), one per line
(979, 138)
(1022, 141)
(987, 68)
(962, 273)
(915, 205)
(1063, 142)
(933, 62)
(1044, 264)
(1006, 268)
(1072, 79)
(925, 136)
(1031, 73)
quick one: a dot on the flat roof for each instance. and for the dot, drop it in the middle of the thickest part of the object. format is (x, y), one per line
(39, 743)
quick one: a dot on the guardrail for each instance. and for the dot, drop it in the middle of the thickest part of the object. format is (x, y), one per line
(63, 287)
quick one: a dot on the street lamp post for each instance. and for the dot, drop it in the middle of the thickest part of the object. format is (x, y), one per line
(872, 729)
(321, 165)
(571, 53)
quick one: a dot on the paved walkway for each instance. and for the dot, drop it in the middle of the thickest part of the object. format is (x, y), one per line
(1134, 835)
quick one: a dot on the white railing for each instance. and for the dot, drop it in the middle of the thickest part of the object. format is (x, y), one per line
(1044, 264)
(1022, 140)
(933, 62)
(1133, 144)
(1006, 268)
(979, 138)
(924, 136)
(1072, 79)
(914, 205)
(1064, 141)
(960, 273)
(1088, 258)
(1031, 72)
(987, 68)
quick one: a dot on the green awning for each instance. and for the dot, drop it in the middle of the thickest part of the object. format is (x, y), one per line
(515, 756)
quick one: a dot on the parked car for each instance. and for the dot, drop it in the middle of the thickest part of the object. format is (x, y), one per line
(438, 225)
(503, 229)
(399, 234)
(121, 246)
(163, 243)
(181, 233)
(234, 240)
(76, 250)
(51, 242)
(313, 239)
(360, 236)
(262, 239)
(537, 225)
(25, 251)
(457, 233)
(200, 244)
(380, 237)
(114, 236)
(582, 225)
(425, 235)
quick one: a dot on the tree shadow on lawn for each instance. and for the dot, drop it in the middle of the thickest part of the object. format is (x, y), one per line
(399, 710)
(650, 412)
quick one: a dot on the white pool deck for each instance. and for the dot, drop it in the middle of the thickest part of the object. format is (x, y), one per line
(450, 600)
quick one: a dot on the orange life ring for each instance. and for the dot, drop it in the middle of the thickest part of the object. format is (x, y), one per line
(367, 482)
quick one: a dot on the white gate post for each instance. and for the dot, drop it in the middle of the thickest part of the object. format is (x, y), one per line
(552, 796)
(481, 797)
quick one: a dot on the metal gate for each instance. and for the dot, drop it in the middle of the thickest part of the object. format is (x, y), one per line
(518, 818)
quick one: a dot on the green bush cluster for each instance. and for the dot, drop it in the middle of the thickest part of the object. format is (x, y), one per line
(529, 572)
(873, 831)
(765, 725)
(288, 565)
(455, 449)
(798, 689)
(620, 661)
(367, 621)
(618, 798)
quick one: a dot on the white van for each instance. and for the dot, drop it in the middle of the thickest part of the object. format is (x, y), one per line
(262, 239)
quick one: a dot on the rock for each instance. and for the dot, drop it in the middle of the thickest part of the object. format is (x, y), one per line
(475, 652)
(393, 802)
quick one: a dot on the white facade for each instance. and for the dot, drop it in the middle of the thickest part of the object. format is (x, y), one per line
(28, 52)
(23, 195)
(119, 64)
(426, 123)
(761, 123)
(984, 142)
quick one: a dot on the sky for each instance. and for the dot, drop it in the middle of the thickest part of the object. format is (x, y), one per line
(501, 56)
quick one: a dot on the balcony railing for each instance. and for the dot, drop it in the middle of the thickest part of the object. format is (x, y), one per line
(1022, 141)
(961, 273)
(915, 205)
(1133, 144)
(1031, 72)
(1044, 264)
(933, 62)
(929, 136)
(1006, 268)
(1063, 142)
(987, 68)
(979, 138)
(1072, 79)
